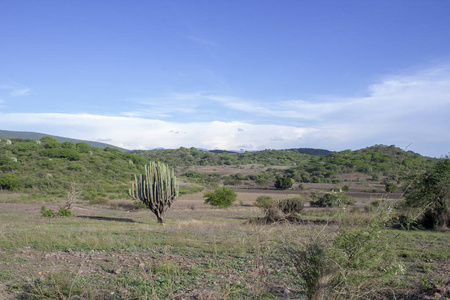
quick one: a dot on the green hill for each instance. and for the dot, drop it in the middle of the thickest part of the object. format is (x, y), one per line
(4, 134)
(48, 167)
(195, 157)
(378, 160)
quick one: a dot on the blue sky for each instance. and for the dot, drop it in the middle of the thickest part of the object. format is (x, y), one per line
(229, 74)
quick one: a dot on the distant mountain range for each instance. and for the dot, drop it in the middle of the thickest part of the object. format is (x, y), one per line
(4, 134)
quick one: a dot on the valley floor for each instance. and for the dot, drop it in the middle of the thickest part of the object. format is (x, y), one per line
(119, 252)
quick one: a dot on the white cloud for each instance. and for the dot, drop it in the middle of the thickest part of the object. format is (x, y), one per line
(139, 133)
(400, 110)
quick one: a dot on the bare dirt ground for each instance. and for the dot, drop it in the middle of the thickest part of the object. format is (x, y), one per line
(224, 170)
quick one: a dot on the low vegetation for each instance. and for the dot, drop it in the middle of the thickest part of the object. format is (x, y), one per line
(306, 226)
(429, 195)
(47, 168)
(221, 197)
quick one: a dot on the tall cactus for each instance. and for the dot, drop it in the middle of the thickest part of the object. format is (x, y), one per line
(157, 188)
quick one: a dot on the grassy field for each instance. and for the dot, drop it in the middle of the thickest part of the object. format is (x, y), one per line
(116, 251)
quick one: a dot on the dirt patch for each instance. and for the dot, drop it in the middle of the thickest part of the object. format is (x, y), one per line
(10, 195)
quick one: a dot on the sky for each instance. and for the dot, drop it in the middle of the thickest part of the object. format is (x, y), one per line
(229, 74)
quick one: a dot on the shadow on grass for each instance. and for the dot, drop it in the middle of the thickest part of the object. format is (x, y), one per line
(124, 220)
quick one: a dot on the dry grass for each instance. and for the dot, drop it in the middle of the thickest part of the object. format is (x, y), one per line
(202, 252)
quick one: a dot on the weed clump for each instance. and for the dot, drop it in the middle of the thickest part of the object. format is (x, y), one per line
(64, 212)
(48, 213)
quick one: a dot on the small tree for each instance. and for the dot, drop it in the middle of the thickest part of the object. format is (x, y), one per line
(283, 183)
(430, 192)
(9, 181)
(71, 195)
(222, 197)
(157, 188)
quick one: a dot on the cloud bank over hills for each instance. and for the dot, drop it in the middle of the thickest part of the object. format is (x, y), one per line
(399, 109)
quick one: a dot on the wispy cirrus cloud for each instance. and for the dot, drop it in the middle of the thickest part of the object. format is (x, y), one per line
(393, 97)
(15, 90)
(202, 41)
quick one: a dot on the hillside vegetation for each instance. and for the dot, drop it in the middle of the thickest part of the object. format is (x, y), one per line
(293, 225)
(26, 135)
(194, 157)
(48, 168)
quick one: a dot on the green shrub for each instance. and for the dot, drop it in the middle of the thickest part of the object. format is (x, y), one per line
(139, 204)
(403, 222)
(48, 139)
(227, 180)
(190, 189)
(70, 154)
(26, 148)
(302, 186)
(68, 145)
(89, 195)
(390, 187)
(75, 167)
(9, 181)
(48, 213)
(222, 197)
(284, 183)
(265, 202)
(99, 201)
(64, 212)
(53, 145)
(8, 163)
(330, 199)
(292, 205)
(429, 194)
